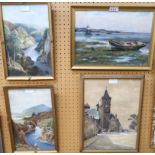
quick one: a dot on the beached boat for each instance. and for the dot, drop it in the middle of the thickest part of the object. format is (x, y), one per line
(127, 45)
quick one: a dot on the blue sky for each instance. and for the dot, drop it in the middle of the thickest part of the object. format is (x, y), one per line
(21, 99)
(121, 21)
(35, 15)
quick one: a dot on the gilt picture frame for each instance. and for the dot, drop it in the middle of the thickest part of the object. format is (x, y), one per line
(32, 54)
(111, 45)
(152, 135)
(1, 138)
(116, 131)
(32, 125)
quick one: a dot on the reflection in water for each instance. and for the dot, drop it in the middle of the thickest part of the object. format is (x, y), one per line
(33, 139)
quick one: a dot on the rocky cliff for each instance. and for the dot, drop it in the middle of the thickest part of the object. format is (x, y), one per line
(44, 48)
(26, 40)
(44, 120)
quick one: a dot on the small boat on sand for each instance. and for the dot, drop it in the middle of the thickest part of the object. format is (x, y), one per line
(127, 45)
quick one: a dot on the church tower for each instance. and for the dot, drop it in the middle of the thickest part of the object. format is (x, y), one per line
(104, 111)
(106, 101)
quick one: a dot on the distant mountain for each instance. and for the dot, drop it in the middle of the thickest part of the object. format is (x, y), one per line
(36, 109)
(83, 29)
(104, 31)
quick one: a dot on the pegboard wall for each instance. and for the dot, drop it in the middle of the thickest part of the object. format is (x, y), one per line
(67, 85)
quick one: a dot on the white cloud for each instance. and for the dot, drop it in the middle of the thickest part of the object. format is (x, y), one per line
(121, 21)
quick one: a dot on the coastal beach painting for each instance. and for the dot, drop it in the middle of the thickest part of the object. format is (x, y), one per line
(111, 114)
(33, 119)
(28, 48)
(111, 40)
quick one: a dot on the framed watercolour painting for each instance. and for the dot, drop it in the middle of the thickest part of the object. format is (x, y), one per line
(103, 39)
(27, 41)
(111, 112)
(32, 119)
(1, 138)
(153, 129)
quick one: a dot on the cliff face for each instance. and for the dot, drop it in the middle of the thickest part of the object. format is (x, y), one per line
(26, 40)
(44, 48)
(32, 31)
(43, 120)
(44, 42)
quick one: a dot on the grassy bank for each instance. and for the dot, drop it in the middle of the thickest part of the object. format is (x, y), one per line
(89, 53)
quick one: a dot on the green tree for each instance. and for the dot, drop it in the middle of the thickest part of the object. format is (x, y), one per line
(133, 125)
(7, 41)
(15, 44)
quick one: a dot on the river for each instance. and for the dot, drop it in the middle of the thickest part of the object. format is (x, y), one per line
(32, 139)
(31, 52)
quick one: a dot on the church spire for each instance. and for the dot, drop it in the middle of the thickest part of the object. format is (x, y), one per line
(106, 95)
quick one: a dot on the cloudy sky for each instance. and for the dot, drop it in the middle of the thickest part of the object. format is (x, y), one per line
(36, 15)
(125, 96)
(21, 99)
(121, 21)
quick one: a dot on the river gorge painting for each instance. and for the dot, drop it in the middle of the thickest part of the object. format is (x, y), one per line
(26, 30)
(111, 40)
(33, 119)
(111, 113)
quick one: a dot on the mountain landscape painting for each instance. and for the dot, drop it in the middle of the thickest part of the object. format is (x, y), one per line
(104, 38)
(111, 114)
(27, 39)
(33, 119)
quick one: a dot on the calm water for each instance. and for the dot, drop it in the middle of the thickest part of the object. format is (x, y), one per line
(31, 52)
(32, 139)
(80, 36)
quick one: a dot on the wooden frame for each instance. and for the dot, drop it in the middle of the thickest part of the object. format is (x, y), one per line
(99, 77)
(107, 67)
(152, 129)
(1, 138)
(51, 44)
(5, 89)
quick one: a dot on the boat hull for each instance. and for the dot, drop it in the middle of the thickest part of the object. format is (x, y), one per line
(120, 46)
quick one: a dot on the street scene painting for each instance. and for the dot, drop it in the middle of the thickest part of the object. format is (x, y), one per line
(111, 114)
(107, 38)
(27, 39)
(33, 119)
